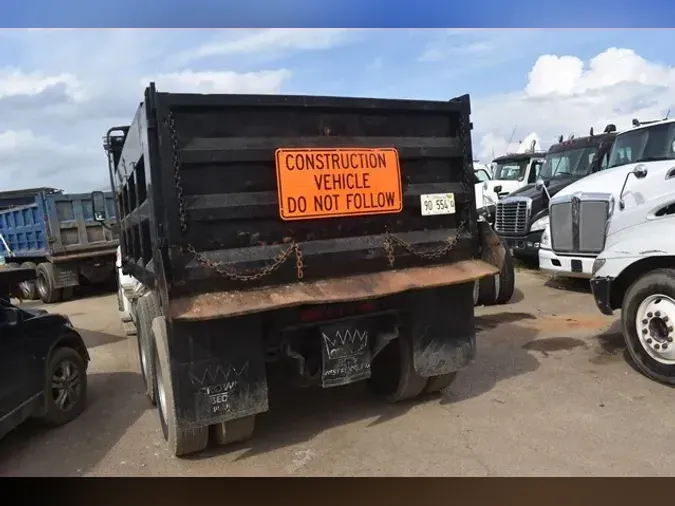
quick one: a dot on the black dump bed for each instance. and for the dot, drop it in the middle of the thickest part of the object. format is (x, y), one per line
(198, 182)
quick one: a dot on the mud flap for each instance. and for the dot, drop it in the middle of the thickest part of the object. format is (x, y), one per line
(346, 353)
(218, 369)
(442, 330)
(492, 249)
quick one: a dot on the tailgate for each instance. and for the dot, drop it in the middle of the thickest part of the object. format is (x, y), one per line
(72, 228)
(261, 190)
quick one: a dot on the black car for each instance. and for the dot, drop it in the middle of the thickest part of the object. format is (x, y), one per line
(43, 368)
(522, 216)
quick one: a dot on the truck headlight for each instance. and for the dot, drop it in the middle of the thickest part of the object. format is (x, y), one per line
(597, 265)
(539, 224)
(545, 241)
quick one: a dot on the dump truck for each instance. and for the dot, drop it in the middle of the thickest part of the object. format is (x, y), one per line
(333, 238)
(56, 234)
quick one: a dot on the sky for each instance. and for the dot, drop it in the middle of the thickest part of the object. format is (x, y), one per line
(60, 90)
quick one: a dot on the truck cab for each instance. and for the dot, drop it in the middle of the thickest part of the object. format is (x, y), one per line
(514, 171)
(635, 271)
(522, 216)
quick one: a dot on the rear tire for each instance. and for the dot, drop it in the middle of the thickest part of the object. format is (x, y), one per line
(393, 374)
(145, 345)
(232, 431)
(507, 279)
(499, 288)
(29, 288)
(45, 284)
(180, 441)
(646, 341)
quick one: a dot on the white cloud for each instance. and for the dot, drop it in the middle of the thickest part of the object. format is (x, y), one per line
(566, 95)
(276, 40)
(30, 160)
(188, 81)
(14, 82)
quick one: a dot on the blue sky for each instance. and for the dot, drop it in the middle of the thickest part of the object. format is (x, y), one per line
(61, 89)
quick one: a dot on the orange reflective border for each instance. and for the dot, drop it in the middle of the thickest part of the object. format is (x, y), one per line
(332, 183)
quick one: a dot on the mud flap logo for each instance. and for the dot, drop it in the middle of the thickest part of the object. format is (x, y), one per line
(217, 386)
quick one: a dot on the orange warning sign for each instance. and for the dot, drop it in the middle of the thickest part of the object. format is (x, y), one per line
(330, 183)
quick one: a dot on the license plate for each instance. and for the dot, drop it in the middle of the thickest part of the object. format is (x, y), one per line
(346, 353)
(332, 183)
(433, 204)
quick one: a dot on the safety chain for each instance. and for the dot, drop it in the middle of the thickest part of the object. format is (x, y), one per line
(390, 241)
(467, 182)
(176, 172)
(279, 260)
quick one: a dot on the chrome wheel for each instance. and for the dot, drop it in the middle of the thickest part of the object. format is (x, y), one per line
(66, 385)
(161, 393)
(42, 286)
(654, 322)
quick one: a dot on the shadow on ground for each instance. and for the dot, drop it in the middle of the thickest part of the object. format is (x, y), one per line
(115, 403)
(578, 285)
(299, 415)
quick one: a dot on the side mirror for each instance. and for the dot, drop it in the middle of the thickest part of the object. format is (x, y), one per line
(98, 206)
(640, 172)
(11, 317)
(498, 189)
(542, 185)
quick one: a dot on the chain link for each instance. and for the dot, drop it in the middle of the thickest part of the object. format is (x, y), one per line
(176, 172)
(391, 241)
(279, 260)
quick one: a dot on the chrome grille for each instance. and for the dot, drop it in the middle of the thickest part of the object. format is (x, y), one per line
(578, 223)
(592, 220)
(562, 235)
(512, 215)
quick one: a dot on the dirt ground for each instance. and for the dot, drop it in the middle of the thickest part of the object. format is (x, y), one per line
(552, 392)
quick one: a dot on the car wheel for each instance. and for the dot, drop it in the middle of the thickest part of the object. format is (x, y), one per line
(65, 386)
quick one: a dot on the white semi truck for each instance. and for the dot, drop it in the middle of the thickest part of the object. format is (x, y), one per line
(634, 224)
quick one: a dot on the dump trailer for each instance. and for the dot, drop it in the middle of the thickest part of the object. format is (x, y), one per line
(58, 236)
(15, 198)
(333, 239)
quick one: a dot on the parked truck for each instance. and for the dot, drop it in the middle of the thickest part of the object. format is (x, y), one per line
(336, 236)
(522, 217)
(58, 236)
(635, 270)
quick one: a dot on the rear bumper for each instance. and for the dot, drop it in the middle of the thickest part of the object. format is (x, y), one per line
(602, 290)
(568, 266)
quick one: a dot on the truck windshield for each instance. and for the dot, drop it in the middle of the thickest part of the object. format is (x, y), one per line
(511, 170)
(644, 145)
(571, 162)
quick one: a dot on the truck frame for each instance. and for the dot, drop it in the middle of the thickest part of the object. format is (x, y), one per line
(235, 284)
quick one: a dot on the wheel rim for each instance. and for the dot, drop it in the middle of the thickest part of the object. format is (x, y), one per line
(476, 292)
(654, 322)
(66, 385)
(161, 394)
(26, 289)
(497, 282)
(42, 285)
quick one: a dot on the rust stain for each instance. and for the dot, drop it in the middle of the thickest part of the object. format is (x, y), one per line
(208, 306)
